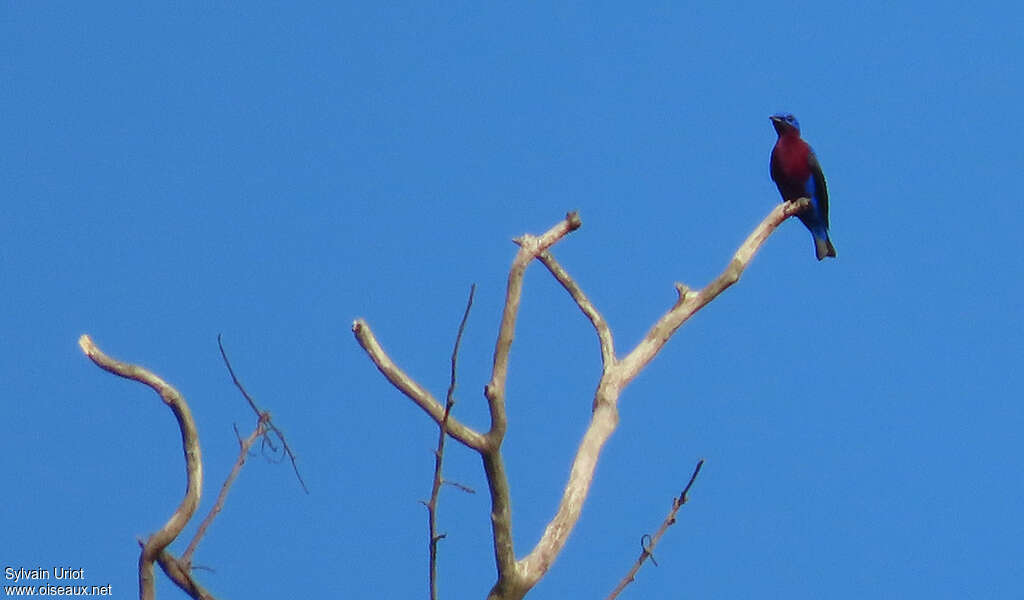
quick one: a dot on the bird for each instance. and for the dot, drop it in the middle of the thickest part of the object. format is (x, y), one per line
(797, 174)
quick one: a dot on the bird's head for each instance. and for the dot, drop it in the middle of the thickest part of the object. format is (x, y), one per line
(784, 123)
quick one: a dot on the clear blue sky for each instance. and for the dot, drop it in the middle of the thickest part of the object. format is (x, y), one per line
(273, 171)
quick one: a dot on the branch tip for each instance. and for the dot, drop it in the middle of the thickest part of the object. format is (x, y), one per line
(685, 496)
(573, 218)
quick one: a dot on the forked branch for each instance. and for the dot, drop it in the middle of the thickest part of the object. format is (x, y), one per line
(265, 424)
(516, 578)
(616, 375)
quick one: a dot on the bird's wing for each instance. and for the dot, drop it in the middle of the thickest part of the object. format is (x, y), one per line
(820, 189)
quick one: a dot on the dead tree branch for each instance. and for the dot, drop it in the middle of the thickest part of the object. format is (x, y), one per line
(153, 547)
(516, 578)
(435, 489)
(604, 333)
(509, 582)
(265, 421)
(181, 575)
(616, 375)
(243, 452)
(647, 549)
(414, 391)
(690, 302)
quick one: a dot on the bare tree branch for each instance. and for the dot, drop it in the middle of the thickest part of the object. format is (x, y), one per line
(530, 247)
(690, 302)
(181, 575)
(243, 452)
(604, 334)
(516, 578)
(615, 376)
(439, 454)
(647, 550)
(158, 541)
(265, 422)
(414, 391)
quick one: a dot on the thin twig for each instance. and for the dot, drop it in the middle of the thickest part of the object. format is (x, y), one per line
(459, 486)
(243, 452)
(263, 416)
(439, 454)
(647, 549)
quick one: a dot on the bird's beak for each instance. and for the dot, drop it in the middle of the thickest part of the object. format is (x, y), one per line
(775, 119)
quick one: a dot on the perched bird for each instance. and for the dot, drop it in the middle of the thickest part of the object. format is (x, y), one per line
(796, 172)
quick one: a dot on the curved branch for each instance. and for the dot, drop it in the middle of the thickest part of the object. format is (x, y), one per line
(604, 333)
(414, 391)
(154, 546)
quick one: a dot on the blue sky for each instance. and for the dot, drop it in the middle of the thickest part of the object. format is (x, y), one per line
(273, 171)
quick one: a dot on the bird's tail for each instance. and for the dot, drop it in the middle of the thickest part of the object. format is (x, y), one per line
(823, 247)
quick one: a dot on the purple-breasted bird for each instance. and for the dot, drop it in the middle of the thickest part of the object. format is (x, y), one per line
(796, 172)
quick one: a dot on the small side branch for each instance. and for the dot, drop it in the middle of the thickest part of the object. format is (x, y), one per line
(604, 333)
(414, 391)
(648, 543)
(243, 452)
(157, 542)
(439, 453)
(265, 424)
